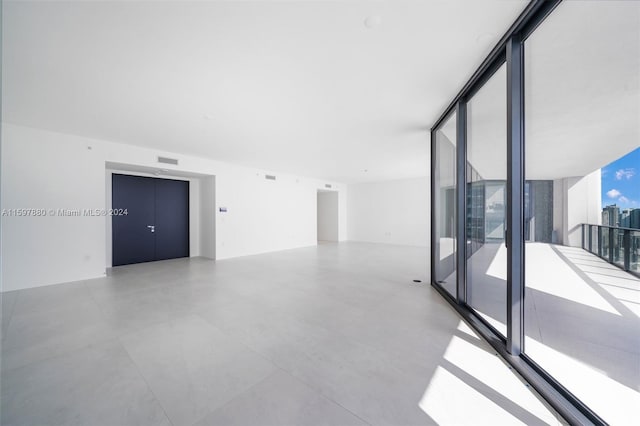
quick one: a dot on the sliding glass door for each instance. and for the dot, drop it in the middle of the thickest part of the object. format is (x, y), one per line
(582, 114)
(445, 193)
(486, 201)
(536, 192)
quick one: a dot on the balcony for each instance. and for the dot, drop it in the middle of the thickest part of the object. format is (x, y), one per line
(582, 314)
(618, 246)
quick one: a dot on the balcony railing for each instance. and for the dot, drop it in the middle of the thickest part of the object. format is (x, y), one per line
(618, 246)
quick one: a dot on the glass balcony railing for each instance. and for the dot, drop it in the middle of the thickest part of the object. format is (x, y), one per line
(618, 246)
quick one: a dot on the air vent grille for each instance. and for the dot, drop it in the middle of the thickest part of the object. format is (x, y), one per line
(167, 160)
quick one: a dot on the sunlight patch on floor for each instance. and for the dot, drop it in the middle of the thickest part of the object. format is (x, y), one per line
(472, 373)
(498, 266)
(547, 272)
(621, 285)
(610, 399)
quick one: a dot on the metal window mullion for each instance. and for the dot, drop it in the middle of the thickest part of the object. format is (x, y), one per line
(461, 201)
(435, 252)
(515, 196)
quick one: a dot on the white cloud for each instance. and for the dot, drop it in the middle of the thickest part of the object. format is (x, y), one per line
(623, 199)
(625, 174)
(614, 193)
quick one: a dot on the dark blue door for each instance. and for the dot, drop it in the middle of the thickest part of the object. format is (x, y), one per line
(172, 219)
(133, 240)
(156, 226)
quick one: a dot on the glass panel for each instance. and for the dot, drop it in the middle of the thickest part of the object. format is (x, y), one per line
(618, 247)
(445, 205)
(605, 243)
(486, 199)
(582, 112)
(594, 240)
(634, 251)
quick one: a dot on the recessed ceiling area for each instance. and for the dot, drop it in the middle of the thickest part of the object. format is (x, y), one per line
(324, 89)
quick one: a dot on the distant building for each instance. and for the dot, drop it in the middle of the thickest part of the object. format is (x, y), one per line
(624, 218)
(611, 215)
(634, 219)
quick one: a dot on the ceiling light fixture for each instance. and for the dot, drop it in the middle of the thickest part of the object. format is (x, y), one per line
(372, 21)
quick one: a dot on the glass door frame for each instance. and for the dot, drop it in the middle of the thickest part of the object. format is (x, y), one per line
(510, 49)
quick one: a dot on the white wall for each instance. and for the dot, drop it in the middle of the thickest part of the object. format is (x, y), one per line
(393, 212)
(195, 223)
(51, 171)
(42, 169)
(208, 217)
(328, 216)
(343, 215)
(581, 202)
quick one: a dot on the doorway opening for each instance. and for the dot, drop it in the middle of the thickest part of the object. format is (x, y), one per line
(150, 220)
(327, 216)
(201, 207)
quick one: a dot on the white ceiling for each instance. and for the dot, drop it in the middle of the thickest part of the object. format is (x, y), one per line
(582, 87)
(303, 87)
(582, 95)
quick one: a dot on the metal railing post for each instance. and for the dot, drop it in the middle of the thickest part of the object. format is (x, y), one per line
(599, 231)
(626, 244)
(611, 244)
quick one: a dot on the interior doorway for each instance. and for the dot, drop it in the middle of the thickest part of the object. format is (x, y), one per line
(327, 215)
(151, 219)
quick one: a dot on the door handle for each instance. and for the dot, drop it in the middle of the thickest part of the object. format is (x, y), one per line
(152, 228)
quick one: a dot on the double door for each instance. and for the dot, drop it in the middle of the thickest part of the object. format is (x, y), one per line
(156, 223)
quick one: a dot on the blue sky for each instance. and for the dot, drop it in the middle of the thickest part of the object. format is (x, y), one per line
(621, 181)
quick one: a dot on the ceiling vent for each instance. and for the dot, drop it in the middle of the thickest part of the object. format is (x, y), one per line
(270, 177)
(326, 185)
(167, 160)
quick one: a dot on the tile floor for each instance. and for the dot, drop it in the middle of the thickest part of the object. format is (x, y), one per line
(336, 334)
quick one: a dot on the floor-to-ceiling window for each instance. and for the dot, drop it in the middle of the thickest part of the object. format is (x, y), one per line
(444, 195)
(546, 265)
(486, 200)
(582, 111)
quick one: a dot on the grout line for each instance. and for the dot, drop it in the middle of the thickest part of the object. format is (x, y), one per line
(65, 352)
(275, 364)
(11, 311)
(321, 394)
(144, 379)
(237, 396)
(60, 354)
